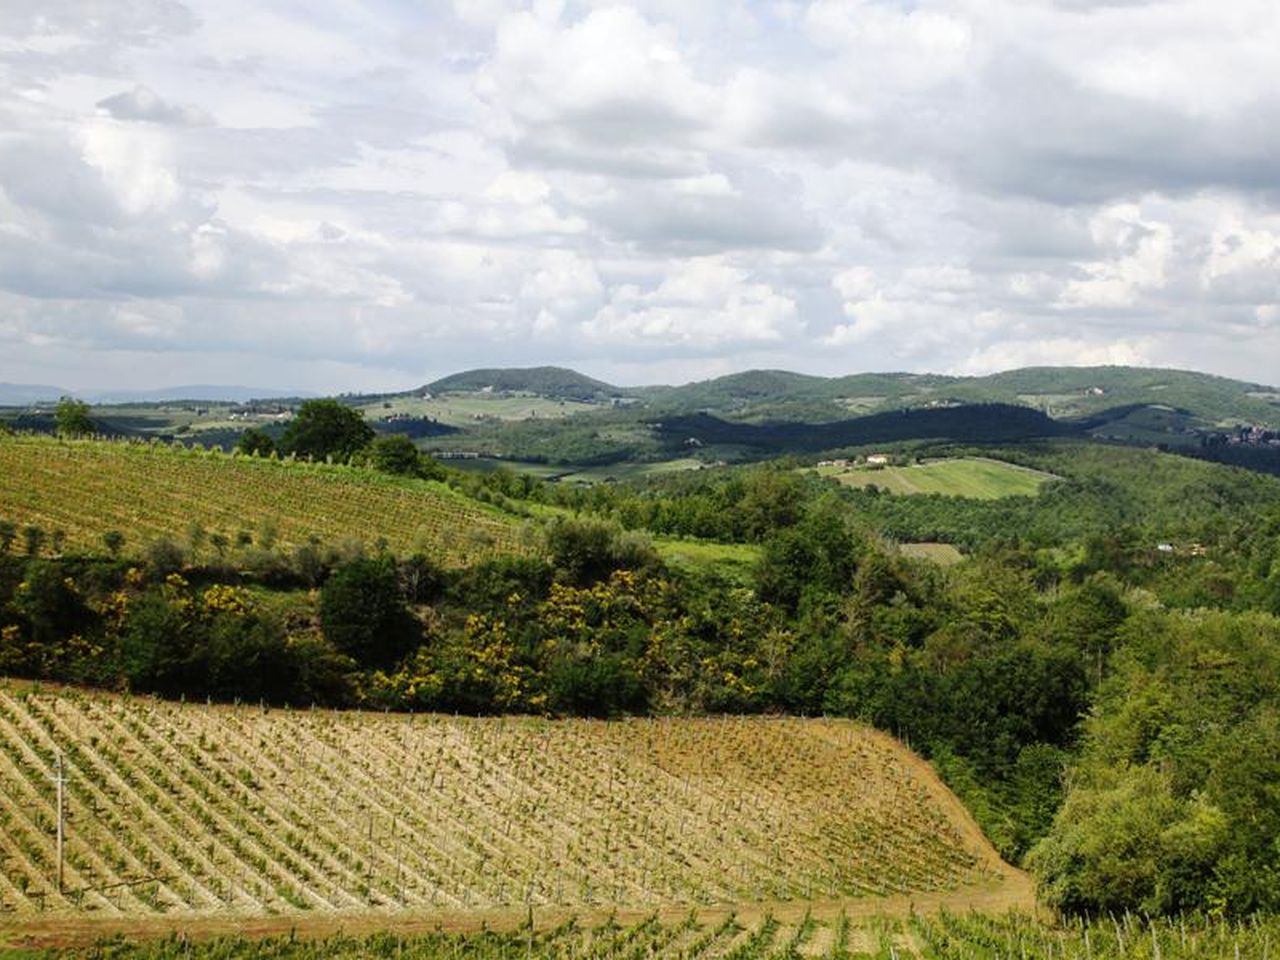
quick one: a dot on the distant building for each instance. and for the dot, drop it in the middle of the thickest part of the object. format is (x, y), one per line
(878, 460)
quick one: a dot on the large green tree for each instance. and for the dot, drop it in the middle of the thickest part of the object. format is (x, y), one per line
(326, 428)
(363, 613)
(255, 443)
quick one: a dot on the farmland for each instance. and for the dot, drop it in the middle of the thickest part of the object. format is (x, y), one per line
(183, 811)
(971, 477)
(830, 931)
(83, 488)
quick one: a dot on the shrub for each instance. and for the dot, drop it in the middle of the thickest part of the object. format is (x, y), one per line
(363, 614)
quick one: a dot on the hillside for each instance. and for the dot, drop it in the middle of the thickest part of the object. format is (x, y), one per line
(194, 810)
(762, 413)
(1061, 392)
(979, 423)
(83, 488)
(553, 382)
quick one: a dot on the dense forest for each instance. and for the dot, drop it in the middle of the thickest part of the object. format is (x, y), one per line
(1098, 681)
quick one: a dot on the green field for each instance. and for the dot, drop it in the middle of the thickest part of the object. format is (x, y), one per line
(733, 561)
(971, 477)
(79, 489)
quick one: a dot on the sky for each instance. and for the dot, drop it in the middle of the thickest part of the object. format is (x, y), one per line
(368, 195)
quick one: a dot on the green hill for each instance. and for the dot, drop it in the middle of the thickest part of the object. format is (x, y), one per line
(80, 489)
(1064, 393)
(554, 382)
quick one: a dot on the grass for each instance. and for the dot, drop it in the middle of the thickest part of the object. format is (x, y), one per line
(943, 554)
(971, 477)
(628, 471)
(733, 561)
(85, 487)
(197, 811)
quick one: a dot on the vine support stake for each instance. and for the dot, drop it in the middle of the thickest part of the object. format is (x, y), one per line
(59, 779)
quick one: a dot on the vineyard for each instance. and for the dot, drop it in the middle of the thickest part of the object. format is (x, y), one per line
(77, 490)
(175, 809)
(711, 934)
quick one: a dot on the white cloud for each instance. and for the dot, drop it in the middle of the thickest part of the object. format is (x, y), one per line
(1138, 253)
(635, 185)
(701, 303)
(1057, 351)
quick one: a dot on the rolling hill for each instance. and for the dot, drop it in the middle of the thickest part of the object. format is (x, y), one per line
(763, 413)
(555, 383)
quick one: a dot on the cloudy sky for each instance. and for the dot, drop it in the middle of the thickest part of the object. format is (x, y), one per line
(365, 195)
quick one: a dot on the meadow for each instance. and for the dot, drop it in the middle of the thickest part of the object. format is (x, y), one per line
(971, 477)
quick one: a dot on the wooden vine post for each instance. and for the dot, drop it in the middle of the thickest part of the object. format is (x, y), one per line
(59, 780)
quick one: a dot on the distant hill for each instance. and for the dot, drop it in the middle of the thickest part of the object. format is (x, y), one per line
(979, 423)
(1061, 392)
(22, 394)
(554, 382)
(209, 392)
(736, 389)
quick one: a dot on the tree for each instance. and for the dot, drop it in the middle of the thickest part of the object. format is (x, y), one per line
(396, 454)
(587, 550)
(72, 418)
(113, 540)
(255, 443)
(326, 428)
(363, 613)
(818, 556)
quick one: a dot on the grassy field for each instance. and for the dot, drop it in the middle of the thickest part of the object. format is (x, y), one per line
(963, 477)
(629, 471)
(734, 561)
(189, 811)
(83, 488)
